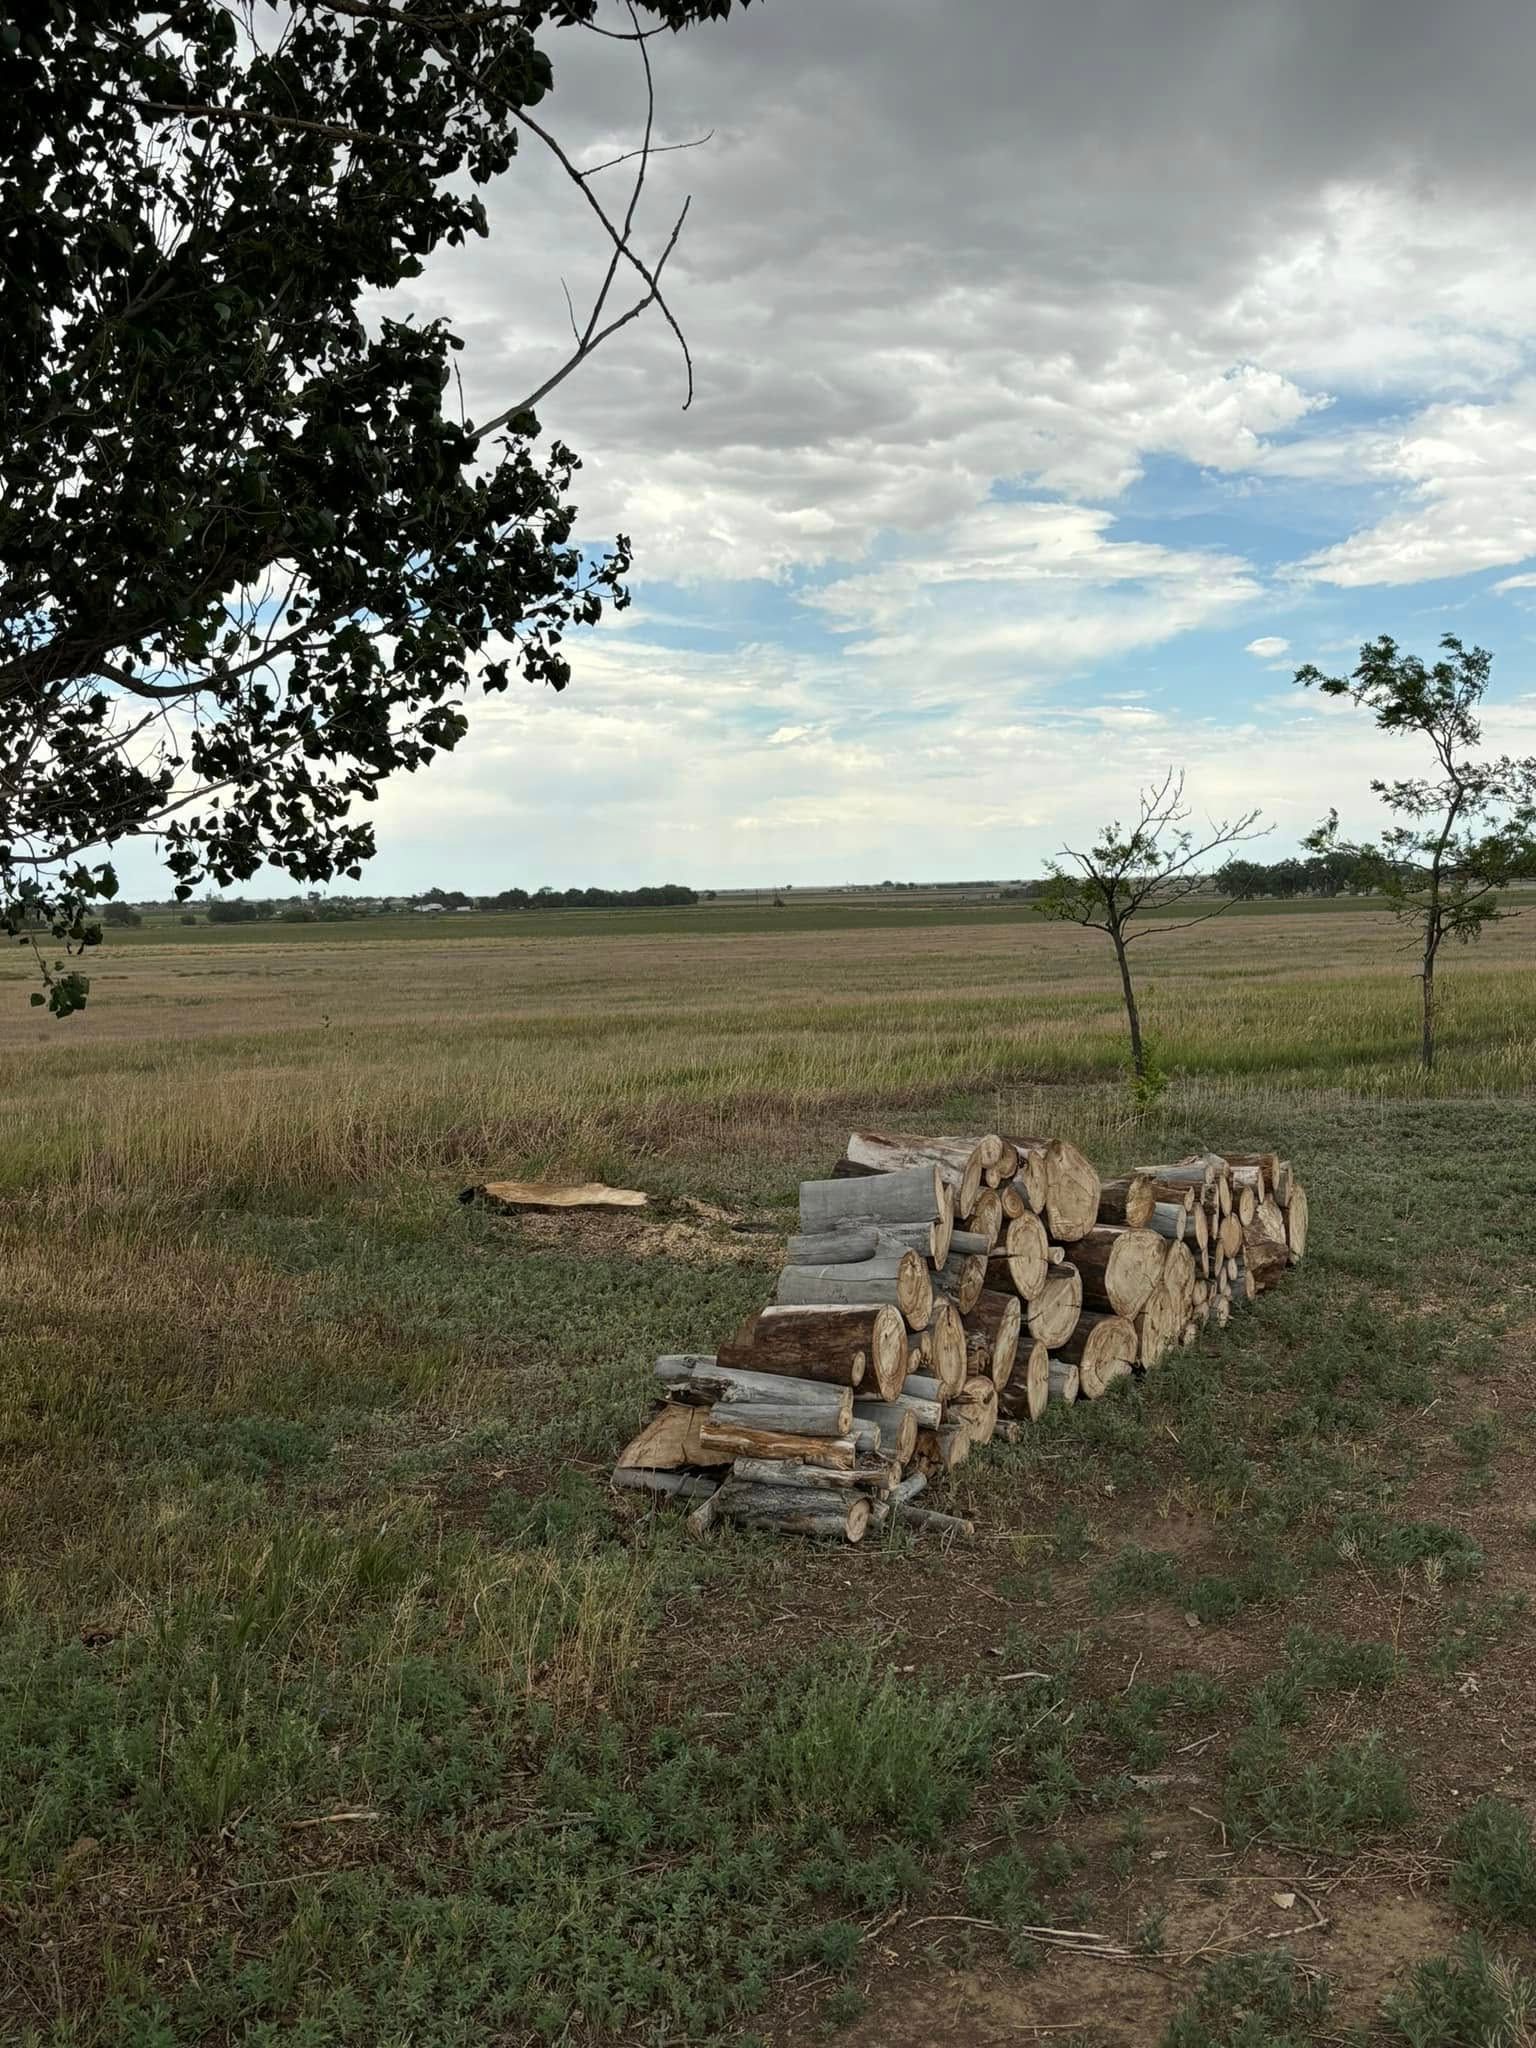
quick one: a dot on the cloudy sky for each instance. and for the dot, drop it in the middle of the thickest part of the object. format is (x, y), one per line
(1066, 375)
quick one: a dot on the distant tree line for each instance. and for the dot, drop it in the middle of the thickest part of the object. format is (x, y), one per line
(317, 909)
(654, 896)
(1339, 873)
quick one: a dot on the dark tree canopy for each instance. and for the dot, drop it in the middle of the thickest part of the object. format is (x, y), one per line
(252, 555)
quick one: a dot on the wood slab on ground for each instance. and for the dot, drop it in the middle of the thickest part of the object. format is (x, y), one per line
(552, 1194)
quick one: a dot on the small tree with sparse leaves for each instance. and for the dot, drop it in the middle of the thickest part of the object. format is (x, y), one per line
(1136, 873)
(1464, 833)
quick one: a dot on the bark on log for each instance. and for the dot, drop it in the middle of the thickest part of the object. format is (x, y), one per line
(1066, 1380)
(1265, 1260)
(1269, 1163)
(1157, 1327)
(1190, 1175)
(794, 1511)
(899, 1422)
(1296, 1221)
(1052, 1314)
(874, 1475)
(999, 1318)
(962, 1161)
(1119, 1267)
(1129, 1200)
(1284, 1187)
(1028, 1391)
(706, 1381)
(1254, 1178)
(933, 1523)
(1173, 1221)
(923, 1387)
(862, 1347)
(1022, 1260)
(749, 1430)
(930, 1240)
(837, 1247)
(908, 1197)
(1032, 1180)
(900, 1277)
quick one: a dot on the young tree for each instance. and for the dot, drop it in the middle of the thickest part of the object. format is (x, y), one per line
(1129, 875)
(1466, 832)
(252, 554)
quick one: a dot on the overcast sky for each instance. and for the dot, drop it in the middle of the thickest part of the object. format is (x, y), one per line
(1066, 375)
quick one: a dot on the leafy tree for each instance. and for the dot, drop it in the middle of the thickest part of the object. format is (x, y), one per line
(1136, 873)
(252, 554)
(1465, 832)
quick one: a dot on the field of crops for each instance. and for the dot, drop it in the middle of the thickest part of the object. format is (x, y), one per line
(341, 1702)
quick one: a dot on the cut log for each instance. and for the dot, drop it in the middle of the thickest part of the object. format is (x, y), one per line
(874, 1475)
(1179, 1277)
(1188, 1177)
(961, 1281)
(747, 1429)
(794, 1511)
(1102, 1348)
(962, 1161)
(1173, 1221)
(899, 1422)
(689, 1486)
(1052, 1314)
(705, 1381)
(1029, 1388)
(1157, 1327)
(839, 1247)
(1252, 1177)
(1229, 1237)
(1129, 1200)
(1071, 1187)
(999, 1318)
(969, 1244)
(1022, 1260)
(666, 1443)
(1221, 1311)
(1268, 1223)
(1066, 1380)
(1283, 1187)
(1296, 1221)
(922, 1387)
(1200, 1228)
(900, 1277)
(932, 1523)
(856, 1346)
(1268, 1163)
(548, 1194)
(942, 1449)
(975, 1409)
(1245, 1205)
(985, 1215)
(1033, 1180)
(930, 1240)
(1244, 1286)
(1119, 1267)
(909, 1489)
(946, 1358)
(1265, 1260)
(913, 1196)
(1013, 1201)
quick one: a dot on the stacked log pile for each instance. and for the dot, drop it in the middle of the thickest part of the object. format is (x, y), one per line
(940, 1287)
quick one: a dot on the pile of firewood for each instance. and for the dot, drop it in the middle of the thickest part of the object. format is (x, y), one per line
(937, 1289)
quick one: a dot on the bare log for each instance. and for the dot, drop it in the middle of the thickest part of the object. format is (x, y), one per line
(688, 1486)
(1066, 1380)
(975, 1409)
(961, 1281)
(900, 1277)
(1103, 1348)
(946, 1358)
(1071, 1190)
(899, 1421)
(912, 1196)
(1296, 1221)
(962, 1161)
(985, 1215)
(1157, 1327)
(838, 1247)
(554, 1195)
(1179, 1276)
(1021, 1261)
(1032, 1180)
(877, 1476)
(933, 1523)
(706, 1381)
(1129, 1201)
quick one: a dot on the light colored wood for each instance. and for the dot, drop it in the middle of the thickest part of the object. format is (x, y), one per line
(1032, 1180)
(1173, 1220)
(1029, 1387)
(779, 1419)
(665, 1443)
(1269, 1164)
(1052, 1315)
(1244, 1287)
(985, 1215)
(975, 1408)
(838, 1247)
(1103, 1348)
(720, 1437)
(1268, 1223)
(1266, 1261)
(1119, 1267)
(794, 1511)
(1229, 1237)
(1129, 1200)
(1296, 1221)
(1013, 1202)
(1178, 1276)
(923, 1387)
(1189, 1176)
(1066, 1380)
(1253, 1178)
(962, 1279)
(1071, 1187)
(1200, 1223)
(551, 1195)
(999, 1318)
(862, 1347)
(1245, 1205)
(962, 1161)
(899, 1420)
(1284, 1186)
(947, 1358)
(1157, 1327)
(1221, 1311)
(705, 1515)
(1022, 1260)
(671, 1485)
(912, 1196)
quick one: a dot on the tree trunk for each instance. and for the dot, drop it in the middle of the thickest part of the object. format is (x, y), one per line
(1027, 1392)
(1157, 1327)
(998, 1318)
(1052, 1314)
(705, 1381)
(901, 1277)
(1119, 1267)
(1022, 1260)
(1132, 1014)
(794, 1510)
(914, 1196)
(1129, 1200)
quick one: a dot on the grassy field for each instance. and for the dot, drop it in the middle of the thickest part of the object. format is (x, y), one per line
(340, 1702)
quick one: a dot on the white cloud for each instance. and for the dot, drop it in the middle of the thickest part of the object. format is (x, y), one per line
(1509, 583)
(1268, 646)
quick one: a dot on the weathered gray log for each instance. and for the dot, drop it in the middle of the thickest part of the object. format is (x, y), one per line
(837, 1247)
(704, 1380)
(866, 1439)
(871, 1475)
(897, 1276)
(674, 1485)
(914, 1196)
(934, 1523)
(787, 1417)
(1172, 1220)
(922, 1386)
(962, 1161)
(794, 1511)
(898, 1422)
(931, 1240)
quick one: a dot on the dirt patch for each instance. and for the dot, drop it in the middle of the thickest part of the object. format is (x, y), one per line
(698, 1233)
